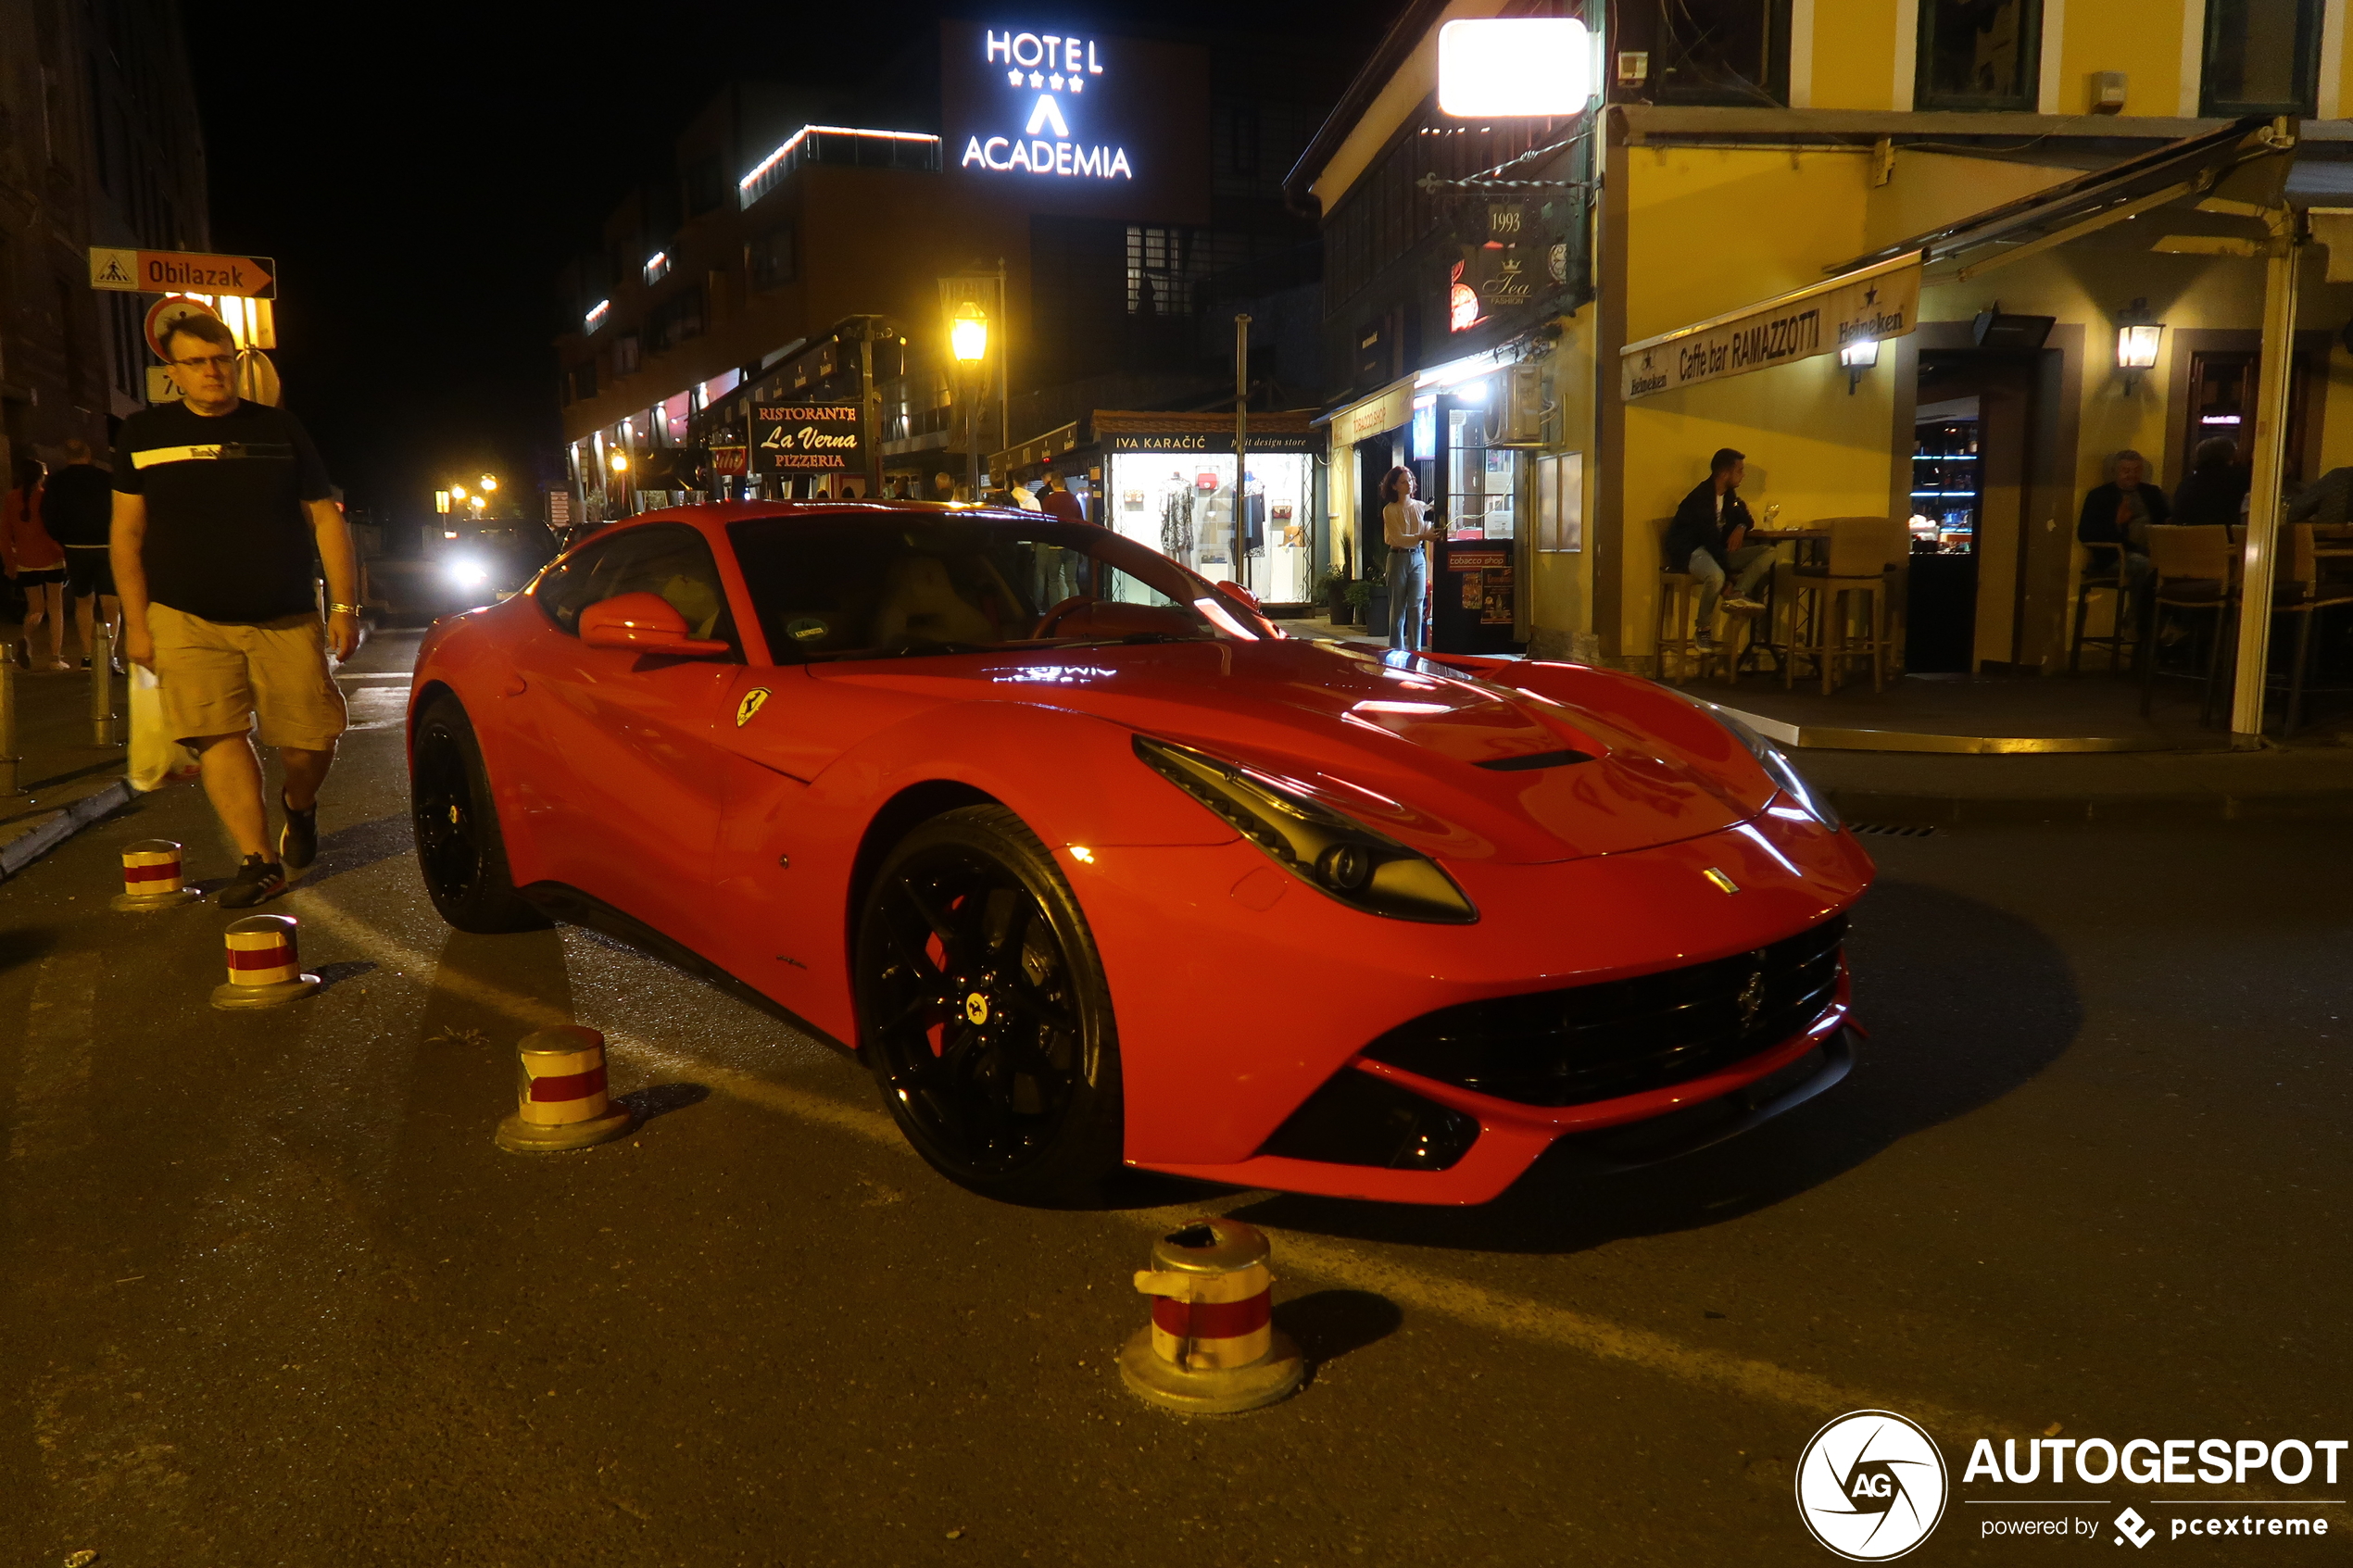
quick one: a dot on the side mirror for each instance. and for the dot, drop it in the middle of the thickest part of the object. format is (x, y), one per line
(1247, 599)
(643, 623)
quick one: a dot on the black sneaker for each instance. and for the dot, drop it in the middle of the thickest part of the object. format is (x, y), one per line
(299, 844)
(256, 880)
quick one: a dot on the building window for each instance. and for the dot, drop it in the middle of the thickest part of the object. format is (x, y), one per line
(706, 186)
(624, 357)
(1979, 55)
(674, 320)
(1708, 51)
(1156, 284)
(583, 379)
(772, 258)
(2262, 56)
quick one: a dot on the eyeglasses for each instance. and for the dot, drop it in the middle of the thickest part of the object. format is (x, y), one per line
(221, 362)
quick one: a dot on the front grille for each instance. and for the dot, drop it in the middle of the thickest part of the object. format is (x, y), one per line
(1587, 1043)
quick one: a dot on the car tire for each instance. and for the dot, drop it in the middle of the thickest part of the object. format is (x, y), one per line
(460, 848)
(984, 1013)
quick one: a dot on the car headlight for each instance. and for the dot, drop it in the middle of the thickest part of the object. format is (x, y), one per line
(1778, 768)
(1338, 857)
(468, 573)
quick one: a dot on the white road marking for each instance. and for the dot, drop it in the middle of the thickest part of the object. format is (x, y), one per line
(1519, 1317)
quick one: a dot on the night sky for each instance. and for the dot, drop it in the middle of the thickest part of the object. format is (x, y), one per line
(421, 173)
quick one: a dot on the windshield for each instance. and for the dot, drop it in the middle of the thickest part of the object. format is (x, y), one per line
(872, 587)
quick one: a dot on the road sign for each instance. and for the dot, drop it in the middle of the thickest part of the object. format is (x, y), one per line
(559, 509)
(182, 272)
(170, 309)
(162, 387)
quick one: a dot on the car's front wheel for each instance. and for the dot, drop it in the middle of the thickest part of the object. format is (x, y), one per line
(984, 1012)
(459, 850)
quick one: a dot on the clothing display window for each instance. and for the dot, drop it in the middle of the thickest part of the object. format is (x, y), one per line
(1183, 505)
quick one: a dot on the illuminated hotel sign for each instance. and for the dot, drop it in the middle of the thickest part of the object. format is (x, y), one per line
(1049, 74)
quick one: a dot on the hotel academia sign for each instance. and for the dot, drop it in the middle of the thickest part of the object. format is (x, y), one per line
(1050, 75)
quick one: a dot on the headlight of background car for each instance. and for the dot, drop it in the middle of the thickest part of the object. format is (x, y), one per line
(1779, 769)
(1335, 855)
(467, 573)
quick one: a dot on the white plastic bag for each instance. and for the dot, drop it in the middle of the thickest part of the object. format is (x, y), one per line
(157, 757)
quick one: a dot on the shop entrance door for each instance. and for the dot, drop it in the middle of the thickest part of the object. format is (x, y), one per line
(1971, 464)
(1374, 460)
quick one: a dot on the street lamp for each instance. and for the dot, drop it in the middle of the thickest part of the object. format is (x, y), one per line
(488, 483)
(968, 336)
(620, 462)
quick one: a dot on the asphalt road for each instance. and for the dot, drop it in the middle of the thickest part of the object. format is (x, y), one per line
(272, 1296)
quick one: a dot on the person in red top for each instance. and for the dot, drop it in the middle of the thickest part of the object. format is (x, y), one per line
(35, 563)
(1055, 499)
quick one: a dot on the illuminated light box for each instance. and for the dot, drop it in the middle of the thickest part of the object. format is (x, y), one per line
(1513, 67)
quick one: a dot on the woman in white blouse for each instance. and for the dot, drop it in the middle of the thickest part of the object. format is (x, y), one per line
(1402, 526)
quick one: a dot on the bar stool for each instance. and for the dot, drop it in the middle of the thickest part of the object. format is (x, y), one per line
(1678, 611)
(2190, 572)
(2103, 574)
(1864, 551)
(2305, 596)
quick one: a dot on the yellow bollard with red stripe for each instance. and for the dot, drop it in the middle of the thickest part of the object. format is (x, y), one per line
(151, 877)
(263, 968)
(559, 1093)
(1211, 1347)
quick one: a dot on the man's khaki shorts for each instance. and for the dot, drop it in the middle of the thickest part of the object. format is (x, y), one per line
(214, 677)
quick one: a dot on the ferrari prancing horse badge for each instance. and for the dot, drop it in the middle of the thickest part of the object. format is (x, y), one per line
(753, 701)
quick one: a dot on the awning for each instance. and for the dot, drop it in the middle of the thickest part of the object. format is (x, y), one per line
(1865, 303)
(2235, 172)
(1127, 430)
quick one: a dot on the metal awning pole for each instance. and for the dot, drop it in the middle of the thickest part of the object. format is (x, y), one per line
(2264, 501)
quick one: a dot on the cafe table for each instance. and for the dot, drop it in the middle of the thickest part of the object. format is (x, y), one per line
(1806, 544)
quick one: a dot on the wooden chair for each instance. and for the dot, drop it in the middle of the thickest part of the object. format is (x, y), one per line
(2302, 593)
(1864, 552)
(2191, 573)
(1680, 655)
(2103, 574)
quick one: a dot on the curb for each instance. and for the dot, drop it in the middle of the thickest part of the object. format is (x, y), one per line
(71, 819)
(1932, 810)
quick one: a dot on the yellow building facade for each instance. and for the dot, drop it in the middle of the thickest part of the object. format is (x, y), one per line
(1703, 210)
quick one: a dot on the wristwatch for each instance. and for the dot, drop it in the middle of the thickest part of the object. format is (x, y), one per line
(343, 609)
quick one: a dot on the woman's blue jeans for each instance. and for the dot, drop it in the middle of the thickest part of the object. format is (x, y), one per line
(1408, 573)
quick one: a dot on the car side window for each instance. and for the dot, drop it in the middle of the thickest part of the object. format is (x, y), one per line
(665, 559)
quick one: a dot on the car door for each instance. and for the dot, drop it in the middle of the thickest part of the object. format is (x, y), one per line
(633, 737)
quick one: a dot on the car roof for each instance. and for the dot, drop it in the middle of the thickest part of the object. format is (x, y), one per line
(714, 516)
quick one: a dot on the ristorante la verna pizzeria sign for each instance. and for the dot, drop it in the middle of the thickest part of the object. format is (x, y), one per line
(1051, 75)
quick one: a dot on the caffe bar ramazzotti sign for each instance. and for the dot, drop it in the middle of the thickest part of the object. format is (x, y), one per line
(1871, 304)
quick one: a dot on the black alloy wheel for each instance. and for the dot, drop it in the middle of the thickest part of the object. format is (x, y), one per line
(984, 1013)
(460, 850)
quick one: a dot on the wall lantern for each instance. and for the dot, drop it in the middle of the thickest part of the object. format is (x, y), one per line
(1507, 67)
(1858, 356)
(2136, 350)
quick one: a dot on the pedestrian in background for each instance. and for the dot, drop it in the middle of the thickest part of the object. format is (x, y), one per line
(2120, 514)
(1708, 539)
(2214, 492)
(34, 563)
(223, 518)
(1404, 528)
(1057, 501)
(78, 507)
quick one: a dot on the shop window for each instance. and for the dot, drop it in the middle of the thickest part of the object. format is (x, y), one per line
(1480, 479)
(1979, 55)
(773, 260)
(2262, 56)
(1706, 51)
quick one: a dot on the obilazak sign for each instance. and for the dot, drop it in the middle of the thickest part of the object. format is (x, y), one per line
(1053, 68)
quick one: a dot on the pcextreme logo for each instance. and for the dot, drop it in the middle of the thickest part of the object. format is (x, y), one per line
(1871, 1485)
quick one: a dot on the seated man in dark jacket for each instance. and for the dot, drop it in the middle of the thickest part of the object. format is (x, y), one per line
(2121, 513)
(1707, 540)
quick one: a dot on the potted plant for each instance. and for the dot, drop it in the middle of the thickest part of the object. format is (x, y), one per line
(1369, 601)
(1333, 590)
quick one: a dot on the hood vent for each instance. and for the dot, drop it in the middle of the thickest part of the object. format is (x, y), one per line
(1535, 759)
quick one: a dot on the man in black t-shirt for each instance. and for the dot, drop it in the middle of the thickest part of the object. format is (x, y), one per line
(222, 519)
(77, 506)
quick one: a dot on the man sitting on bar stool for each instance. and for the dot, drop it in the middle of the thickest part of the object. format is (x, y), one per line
(1707, 540)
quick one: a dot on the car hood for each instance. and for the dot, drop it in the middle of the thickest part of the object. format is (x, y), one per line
(1456, 767)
